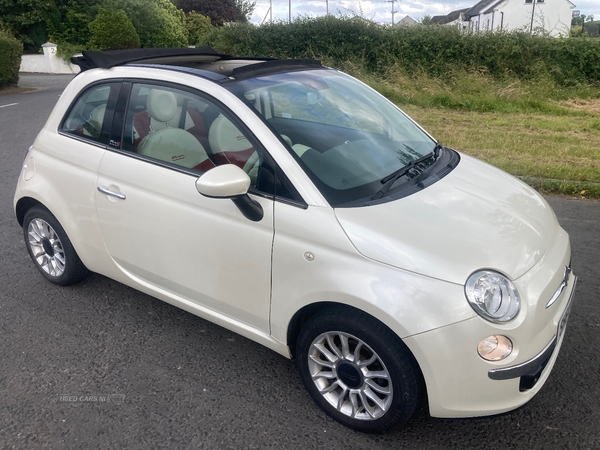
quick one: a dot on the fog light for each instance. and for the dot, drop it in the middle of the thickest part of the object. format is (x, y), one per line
(495, 348)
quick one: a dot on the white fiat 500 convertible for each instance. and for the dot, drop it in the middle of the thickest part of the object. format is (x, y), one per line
(296, 206)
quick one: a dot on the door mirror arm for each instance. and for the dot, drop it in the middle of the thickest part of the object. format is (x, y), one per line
(251, 209)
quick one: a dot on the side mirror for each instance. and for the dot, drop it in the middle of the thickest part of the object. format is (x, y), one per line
(225, 181)
(229, 181)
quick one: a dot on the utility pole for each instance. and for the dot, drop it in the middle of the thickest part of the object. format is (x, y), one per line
(327, 6)
(290, 12)
(532, 16)
(393, 11)
(269, 13)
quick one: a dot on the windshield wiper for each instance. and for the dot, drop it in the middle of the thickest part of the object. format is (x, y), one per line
(437, 149)
(411, 168)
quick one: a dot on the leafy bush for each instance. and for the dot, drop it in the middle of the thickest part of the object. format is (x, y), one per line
(198, 27)
(112, 30)
(434, 50)
(159, 23)
(73, 26)
(10, 59)
(66, 50)
(220, 12)
(26, 20)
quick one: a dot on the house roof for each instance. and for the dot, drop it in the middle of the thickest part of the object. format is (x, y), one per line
(481, 7)
(406, 21)
(493, 5)
(450, 17)
(438, 20)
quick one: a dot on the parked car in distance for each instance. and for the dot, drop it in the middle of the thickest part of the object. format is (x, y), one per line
(296, 206)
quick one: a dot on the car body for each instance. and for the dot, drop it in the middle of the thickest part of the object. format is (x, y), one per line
(292, 204)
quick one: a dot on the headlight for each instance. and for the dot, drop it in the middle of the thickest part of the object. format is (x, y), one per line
(492, 296)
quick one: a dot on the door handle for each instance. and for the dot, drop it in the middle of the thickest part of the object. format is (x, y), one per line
(107, 191)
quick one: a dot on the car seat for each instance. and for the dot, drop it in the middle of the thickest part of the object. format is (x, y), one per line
(169, 144)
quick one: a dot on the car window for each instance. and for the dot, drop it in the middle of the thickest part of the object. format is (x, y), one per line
(188, 130)
(294, 100)
(88, 115)
(346, 137)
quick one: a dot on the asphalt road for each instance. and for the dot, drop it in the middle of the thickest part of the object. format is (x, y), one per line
(156, 376)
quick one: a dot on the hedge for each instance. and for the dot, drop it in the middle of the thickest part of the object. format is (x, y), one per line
(434, 49)
(112, 30)
(10, 59)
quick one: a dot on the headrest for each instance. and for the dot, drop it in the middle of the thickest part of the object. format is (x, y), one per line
(161, 105)
(97, 115)
(224, 136)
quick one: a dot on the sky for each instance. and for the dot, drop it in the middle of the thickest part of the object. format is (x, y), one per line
(381, 10)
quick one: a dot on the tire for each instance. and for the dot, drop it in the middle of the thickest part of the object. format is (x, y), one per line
(50, 248)
(347, 360)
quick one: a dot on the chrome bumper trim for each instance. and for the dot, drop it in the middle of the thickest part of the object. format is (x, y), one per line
(537, 363)
(526, 368)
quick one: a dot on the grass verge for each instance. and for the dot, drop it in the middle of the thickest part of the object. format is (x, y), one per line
(555, 153)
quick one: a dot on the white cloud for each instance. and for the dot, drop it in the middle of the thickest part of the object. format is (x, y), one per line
(380, 10)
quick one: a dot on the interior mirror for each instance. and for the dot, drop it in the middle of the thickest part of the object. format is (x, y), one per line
(313, 98)
(224, 181)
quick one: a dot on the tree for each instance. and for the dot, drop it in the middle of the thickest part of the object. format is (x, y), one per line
(198, 26)
(578, 20)
(32, 21)
(26, 19)
(73, 26)
(245, 8)
(159, 23)
(112, 30)
(220, 11)
(426, 20)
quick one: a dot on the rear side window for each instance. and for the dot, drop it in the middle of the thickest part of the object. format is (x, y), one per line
(90, 116)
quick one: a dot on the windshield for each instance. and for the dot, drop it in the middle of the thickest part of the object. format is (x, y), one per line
(345, 136)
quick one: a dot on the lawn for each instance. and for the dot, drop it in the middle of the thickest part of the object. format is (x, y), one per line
(557, 153)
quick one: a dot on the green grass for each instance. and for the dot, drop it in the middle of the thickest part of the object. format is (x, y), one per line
(462, 89)
(554, 152)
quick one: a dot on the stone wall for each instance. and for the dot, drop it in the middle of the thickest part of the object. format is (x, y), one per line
(49, 62)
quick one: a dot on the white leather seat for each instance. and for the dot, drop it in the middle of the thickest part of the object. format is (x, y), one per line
(93, 127)
(168, 143)
(230, 146)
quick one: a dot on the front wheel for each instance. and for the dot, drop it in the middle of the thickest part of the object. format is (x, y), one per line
(357, 370)
(50, 249)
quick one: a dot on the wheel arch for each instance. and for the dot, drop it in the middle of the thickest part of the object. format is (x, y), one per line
(23, 205)
(304, 314)
(70, 224)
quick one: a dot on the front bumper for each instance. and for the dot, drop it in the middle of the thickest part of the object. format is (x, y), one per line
(530, 371)
(462, 384)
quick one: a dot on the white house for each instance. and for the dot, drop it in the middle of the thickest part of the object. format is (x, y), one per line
(406, 21)
(552, 16)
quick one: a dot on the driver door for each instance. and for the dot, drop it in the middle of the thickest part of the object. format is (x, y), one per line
(160, 232)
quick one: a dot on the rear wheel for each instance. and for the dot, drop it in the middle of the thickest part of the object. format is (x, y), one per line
(50, 249)
(357, 370)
